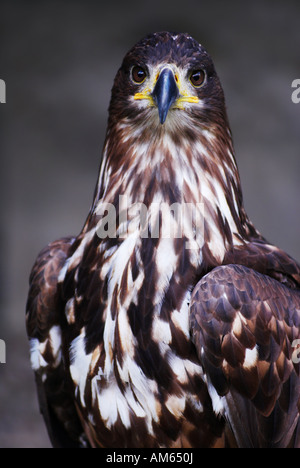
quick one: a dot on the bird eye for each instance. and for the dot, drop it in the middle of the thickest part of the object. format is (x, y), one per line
(197, 78)
(138, 74)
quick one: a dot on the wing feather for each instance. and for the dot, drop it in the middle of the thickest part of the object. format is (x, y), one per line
(243, 325)
(44, 315)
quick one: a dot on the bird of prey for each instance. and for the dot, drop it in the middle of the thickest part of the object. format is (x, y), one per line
(158, 327)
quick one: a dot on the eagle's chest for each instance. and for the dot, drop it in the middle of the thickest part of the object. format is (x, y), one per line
(144, 372)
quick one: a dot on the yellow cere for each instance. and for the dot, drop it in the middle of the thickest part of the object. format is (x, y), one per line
(184, 92)
(184, 95)
(186, 98)
(145, 95)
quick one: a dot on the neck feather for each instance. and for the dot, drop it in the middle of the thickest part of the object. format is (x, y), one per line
(185, 167)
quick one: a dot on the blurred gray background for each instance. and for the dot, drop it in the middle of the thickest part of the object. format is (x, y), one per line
(58, 59)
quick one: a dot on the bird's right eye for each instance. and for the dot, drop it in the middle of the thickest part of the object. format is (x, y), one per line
(138, 74)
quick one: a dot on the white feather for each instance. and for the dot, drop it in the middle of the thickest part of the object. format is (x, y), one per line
(79, 363)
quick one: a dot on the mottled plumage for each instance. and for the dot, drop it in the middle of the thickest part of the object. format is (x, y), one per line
(170, 331)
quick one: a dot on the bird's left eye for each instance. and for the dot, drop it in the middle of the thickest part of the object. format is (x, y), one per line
(138, 74)
(197, 78)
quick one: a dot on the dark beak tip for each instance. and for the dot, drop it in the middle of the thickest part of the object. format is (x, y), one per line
(162, 117)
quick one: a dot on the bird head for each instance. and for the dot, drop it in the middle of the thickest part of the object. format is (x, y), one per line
(167, 78)
(168, 135)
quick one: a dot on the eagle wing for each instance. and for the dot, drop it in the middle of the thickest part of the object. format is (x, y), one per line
(245, 324)
(44, 321)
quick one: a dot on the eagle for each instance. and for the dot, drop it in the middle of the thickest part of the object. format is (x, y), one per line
(169, 321)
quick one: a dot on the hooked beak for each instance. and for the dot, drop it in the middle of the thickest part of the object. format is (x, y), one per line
(165, 93)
